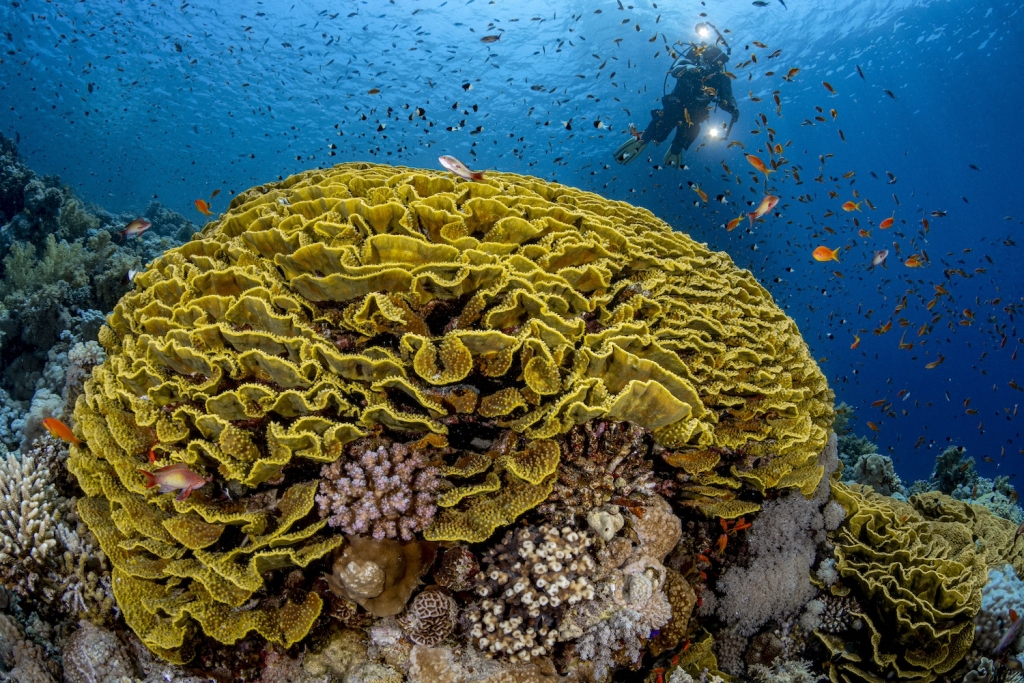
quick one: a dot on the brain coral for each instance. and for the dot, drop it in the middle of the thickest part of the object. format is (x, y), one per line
(487, 317)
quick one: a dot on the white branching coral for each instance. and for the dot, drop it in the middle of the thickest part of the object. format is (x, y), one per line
(29, 511)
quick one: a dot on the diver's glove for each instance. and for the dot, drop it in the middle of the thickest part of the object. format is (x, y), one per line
(673, 159)
(629, 150)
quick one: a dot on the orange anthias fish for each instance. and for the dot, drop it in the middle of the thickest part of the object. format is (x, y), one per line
(203, 207)
(136, 228)
(825, 254)
(174, 477)
(766, 205)
(459, 168)
(851, 206)
(913, 261)
(756, 162)
(828, 86)
(731, 225)
(60, 430)
(887, 223)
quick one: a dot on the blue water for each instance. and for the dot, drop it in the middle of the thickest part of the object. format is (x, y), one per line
(131, 101)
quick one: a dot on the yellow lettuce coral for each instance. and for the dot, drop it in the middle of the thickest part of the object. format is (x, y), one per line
(918, 577)
(367, 298)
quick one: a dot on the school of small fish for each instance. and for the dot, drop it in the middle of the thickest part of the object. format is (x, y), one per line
(857, 224)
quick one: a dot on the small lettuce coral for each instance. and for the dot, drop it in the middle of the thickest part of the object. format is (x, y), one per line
(917, 570)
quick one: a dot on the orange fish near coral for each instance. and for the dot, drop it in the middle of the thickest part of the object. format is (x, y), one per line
(756, 162)
(731, 225)
(203, 207)
(723, 540)
(135, 228)
(60, 430)
(174, 477)
(825, 254)
(766, 205)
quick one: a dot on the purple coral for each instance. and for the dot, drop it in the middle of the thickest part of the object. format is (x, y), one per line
(380, 489)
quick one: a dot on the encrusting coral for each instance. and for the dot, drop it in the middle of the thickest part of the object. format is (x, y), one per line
(380, 574)
(369, 301)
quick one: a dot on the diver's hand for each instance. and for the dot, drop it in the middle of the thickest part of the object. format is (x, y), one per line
(629, 150)
(673, 159)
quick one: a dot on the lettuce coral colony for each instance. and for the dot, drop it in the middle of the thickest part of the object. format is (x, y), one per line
(449, 338)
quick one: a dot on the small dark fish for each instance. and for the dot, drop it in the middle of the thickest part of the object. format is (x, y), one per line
(537, 88)
(973, 167)
(861, 73)
(783, 4)
(490, 39)
(759, 3)
(889, 93)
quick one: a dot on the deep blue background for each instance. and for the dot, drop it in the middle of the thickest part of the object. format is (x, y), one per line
(191, 96)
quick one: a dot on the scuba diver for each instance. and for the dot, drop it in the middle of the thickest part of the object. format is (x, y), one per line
(701, 83)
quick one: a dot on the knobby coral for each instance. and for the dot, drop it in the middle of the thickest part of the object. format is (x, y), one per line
(380, 488)
(374, 301)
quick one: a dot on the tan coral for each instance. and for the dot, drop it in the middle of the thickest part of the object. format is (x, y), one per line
(380, 574)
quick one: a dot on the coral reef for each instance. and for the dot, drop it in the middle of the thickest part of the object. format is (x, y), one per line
(878, 472)
(525, 585)
(430, 617)
(781, 550)
(487, 319)
(783, 547)
(61, 272)
(379, 574)
(955, 474)
(380, 488)
(457, 568)
(29, 512)
(1003, 591)
(23, 660)
(95, 655)
(917, 571)
(601, 461)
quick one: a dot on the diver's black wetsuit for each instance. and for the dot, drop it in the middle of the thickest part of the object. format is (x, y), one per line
(690, 97)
